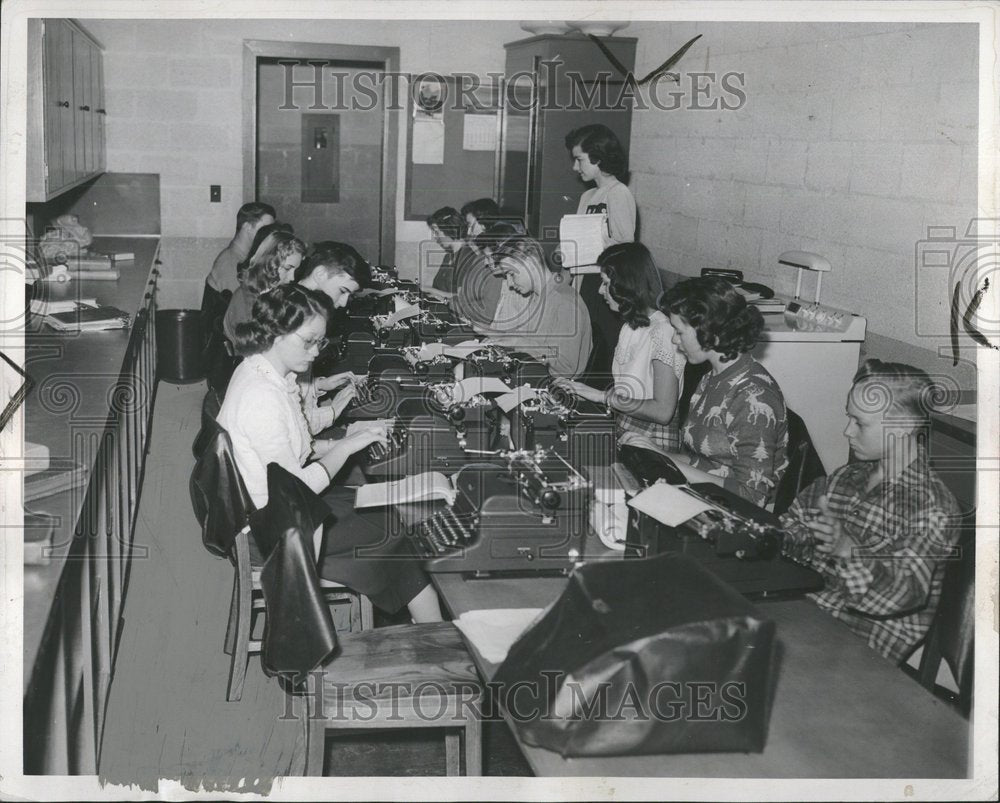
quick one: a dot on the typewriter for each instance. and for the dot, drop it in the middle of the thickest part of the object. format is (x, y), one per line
(440, 326)
(578, 429)
(388, 394)
(739, 542)
(524, 512)
(441, 442)
(513, 367)
(391, 335)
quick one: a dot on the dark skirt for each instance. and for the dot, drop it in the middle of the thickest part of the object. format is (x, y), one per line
(366, 550)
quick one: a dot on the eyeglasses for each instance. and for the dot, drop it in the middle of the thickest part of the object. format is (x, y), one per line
(319, 345)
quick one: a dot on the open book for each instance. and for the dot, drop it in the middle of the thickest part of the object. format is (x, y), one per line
(418, 488)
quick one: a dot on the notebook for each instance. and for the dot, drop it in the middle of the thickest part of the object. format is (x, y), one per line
(88, 319)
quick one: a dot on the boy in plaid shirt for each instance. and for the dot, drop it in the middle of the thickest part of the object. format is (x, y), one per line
(879, 529)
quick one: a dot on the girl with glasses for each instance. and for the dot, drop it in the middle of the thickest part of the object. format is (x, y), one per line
(262, 413)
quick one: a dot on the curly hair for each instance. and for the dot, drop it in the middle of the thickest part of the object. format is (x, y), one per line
(721, 317)
(262, 271)
(448, 221)
(602, 148)
(278, 312)
(337, 258)
(634, 282)
(894, 386)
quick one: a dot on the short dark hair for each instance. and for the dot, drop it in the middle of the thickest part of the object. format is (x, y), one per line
(339, 258)
(277, 312)
(602, 148)
(495, 233)
(907, 390)
(635, 283)
(481, 208)
(721, 317)
(449, 221)
(519, 246)
(252, 212)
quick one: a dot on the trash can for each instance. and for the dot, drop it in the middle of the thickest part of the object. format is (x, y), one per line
(179, 345)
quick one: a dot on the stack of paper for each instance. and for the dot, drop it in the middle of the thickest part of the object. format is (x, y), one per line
(581, 239)
(418, 488)
(88, 319)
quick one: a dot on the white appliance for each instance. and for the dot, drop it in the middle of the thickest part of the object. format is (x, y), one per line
(813, 351)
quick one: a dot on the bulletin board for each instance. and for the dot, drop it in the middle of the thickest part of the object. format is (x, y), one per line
(452, 143)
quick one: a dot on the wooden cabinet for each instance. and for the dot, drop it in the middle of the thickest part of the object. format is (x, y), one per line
(66, 110)
(556, 84)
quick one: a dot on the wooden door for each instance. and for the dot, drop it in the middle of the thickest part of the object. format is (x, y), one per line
(100, 111)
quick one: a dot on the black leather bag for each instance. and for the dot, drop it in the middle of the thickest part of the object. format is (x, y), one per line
(642, 657)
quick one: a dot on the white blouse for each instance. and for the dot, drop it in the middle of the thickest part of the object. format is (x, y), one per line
(632, 366)
(262, 413)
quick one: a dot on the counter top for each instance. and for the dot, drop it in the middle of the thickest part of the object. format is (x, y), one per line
(75, 377)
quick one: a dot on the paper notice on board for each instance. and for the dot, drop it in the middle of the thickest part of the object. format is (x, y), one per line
(428, 142)
(509, 401)
(581, 239)
(669, 504)
(479, 132)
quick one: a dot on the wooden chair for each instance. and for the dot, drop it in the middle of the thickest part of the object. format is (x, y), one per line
(951, 637)
(406, 676)
(224, 510)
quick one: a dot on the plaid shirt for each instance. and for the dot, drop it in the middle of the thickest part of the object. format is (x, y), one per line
(905, 527)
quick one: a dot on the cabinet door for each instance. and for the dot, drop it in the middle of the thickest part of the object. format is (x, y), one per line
(82, 93)
(100, 112)
(60, 153)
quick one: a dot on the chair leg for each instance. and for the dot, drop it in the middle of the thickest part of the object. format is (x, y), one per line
(473, 747)
(241, 651)
(315, 748)
(367, 613)
(233, 613)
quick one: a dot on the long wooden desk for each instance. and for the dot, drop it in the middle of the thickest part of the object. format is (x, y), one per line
(840, 710)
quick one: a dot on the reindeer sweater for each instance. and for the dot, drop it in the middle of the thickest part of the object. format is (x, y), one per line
(736, 429)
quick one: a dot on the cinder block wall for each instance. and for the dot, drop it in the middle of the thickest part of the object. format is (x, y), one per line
(853, 139)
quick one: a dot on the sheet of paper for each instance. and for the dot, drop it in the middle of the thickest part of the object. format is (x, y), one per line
(479, 132)
(463, 350)
(418, 488)
(669, 504)
(428, 141)
(493, 631)
(509, 401)
(475, 386)
(402, 314)
(581, 239)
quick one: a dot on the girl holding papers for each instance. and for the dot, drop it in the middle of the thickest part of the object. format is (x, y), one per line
(262, 413)
(598, 157)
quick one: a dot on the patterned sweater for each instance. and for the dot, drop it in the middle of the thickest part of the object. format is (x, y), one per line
(736, 429)
(904, 527)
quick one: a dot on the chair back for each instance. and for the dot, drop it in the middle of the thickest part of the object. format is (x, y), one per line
(299, 634)
(219, 497)
(804, 464)
(951, 636)
(219, 359)
(210, 407)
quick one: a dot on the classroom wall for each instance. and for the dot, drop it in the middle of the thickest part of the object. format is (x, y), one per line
(174, 99)
(853, 139)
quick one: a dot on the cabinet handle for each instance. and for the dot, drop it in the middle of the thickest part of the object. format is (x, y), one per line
(85, 108)
(63, 103)
(157, 262)
(102, 111)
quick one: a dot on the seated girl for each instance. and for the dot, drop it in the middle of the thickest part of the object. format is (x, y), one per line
(478, 215)
(879, 529)
(262, 413)
(647, 368)
(274, 262)
(736, 433)
(539, 312)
